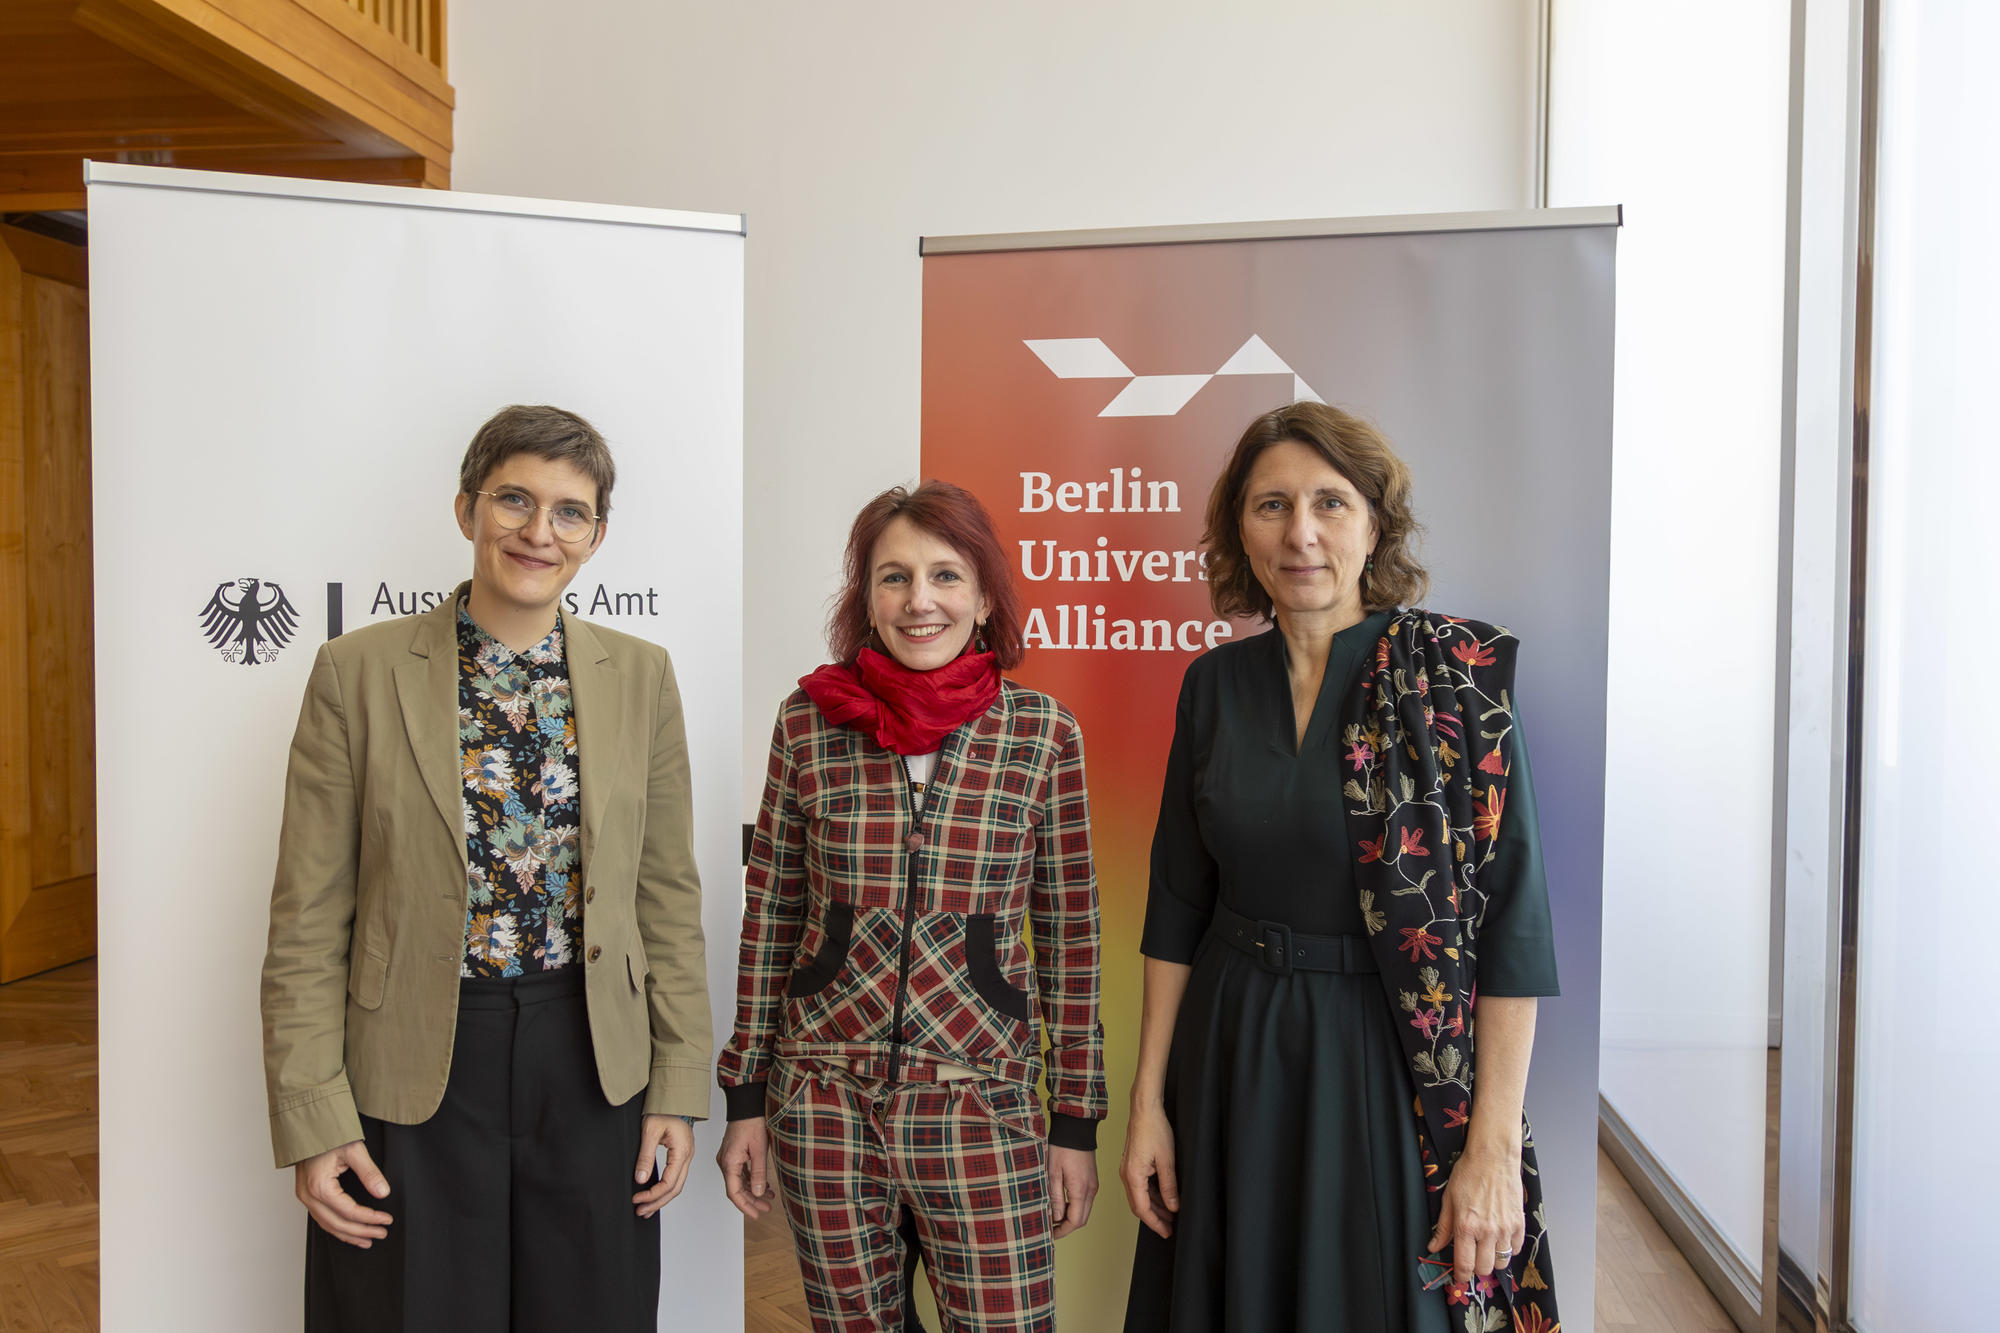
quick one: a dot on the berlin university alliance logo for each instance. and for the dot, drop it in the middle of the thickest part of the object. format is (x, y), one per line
(1158, 395)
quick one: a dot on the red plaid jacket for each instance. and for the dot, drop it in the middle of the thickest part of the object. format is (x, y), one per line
(874, 931)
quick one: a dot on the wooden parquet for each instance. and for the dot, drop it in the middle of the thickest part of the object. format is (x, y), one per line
(1643, 1283)
(774, 1298)
(48, 1152)
(48, 1196)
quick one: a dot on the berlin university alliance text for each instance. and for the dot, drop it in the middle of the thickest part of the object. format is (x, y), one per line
(1093, 627)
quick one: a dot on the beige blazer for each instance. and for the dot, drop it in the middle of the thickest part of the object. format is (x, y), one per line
(368, 910)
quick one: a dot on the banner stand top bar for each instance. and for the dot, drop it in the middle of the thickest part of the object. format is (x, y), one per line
(404, 196)
(1522, 219)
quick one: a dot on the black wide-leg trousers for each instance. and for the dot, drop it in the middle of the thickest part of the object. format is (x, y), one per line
(513, 1204)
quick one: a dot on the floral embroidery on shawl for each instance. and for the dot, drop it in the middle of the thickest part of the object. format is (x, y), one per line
(1429, 741)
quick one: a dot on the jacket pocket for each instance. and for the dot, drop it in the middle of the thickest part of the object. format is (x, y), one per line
(982, 969)
(818, 974)
(368, 978)
(635, 967)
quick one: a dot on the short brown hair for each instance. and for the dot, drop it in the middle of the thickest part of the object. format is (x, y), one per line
(1357, 451)
(955, 517)
(545, 432)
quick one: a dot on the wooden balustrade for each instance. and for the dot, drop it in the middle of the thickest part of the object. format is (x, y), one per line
(336, 89)
(417, 24)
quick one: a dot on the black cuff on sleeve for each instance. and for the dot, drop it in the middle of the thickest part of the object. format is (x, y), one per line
(1173, 928)
(744, 1101)
(1072, 1131)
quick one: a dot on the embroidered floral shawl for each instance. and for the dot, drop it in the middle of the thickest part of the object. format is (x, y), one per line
(1429, 739)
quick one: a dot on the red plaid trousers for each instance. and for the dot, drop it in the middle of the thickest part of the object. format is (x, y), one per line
(966, 1157)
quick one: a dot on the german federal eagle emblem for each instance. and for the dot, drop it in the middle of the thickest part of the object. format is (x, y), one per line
(248, 621)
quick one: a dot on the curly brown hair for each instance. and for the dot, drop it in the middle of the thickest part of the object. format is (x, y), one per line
(1357, 451)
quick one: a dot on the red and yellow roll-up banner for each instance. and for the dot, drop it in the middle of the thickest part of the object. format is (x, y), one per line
(1089, 393)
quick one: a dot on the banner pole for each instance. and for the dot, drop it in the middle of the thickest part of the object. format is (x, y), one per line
(1395, 224)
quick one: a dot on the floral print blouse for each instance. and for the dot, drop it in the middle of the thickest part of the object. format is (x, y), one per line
(517, 752)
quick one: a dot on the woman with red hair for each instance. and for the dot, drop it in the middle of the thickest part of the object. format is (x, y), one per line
(920, 813)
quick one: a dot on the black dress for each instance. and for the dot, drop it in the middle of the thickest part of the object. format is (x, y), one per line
(1295, 1138)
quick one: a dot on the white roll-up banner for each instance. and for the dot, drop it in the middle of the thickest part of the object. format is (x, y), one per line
(284, 376)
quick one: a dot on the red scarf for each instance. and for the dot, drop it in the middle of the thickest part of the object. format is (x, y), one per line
(909, 712)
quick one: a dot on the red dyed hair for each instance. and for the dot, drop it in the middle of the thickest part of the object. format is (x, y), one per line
(953, 516)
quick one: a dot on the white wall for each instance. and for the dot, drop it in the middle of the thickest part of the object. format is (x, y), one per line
(846, 132)
(1679, 112)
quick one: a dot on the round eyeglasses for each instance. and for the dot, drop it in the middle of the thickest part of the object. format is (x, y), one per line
(570, 522)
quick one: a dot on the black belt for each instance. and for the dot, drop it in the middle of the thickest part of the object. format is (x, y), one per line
(1282, 950)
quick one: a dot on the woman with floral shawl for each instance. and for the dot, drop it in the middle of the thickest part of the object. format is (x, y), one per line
(1347, 914)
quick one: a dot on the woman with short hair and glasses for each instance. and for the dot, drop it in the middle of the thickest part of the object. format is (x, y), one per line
(485, 1000)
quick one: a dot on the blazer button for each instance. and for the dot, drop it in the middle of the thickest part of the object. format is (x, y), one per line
(590, 894)
(596, 952)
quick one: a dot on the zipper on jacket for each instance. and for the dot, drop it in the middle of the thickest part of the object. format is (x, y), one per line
(913, 846)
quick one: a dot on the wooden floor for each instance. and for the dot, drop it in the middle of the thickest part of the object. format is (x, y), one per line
(48, 1152)
(1643, 1283)
(48, 1196)
(774, 1300)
